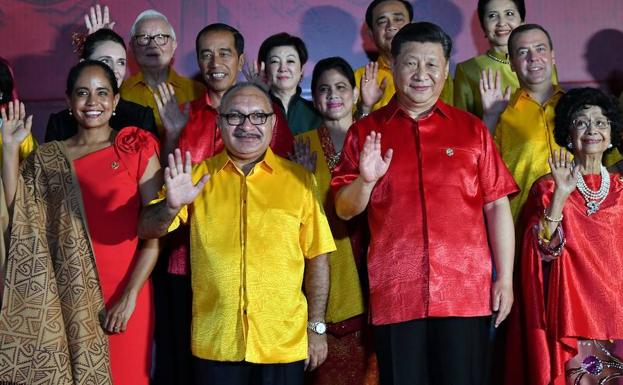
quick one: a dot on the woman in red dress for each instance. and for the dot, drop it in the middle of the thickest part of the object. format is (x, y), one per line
(570, 309)
(80, 200)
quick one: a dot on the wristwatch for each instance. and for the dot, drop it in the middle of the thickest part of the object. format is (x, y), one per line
(317, 327)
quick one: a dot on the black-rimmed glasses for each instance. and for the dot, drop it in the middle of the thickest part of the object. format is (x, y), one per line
(237, 119)
(144, 40)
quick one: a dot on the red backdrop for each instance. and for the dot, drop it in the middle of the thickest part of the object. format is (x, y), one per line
(36, 35)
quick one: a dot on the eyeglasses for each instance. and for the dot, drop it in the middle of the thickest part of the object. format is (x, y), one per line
(237, 119)
(144, 40)
(581, 124)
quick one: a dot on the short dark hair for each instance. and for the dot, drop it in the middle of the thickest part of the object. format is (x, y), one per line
(280, 40)
(525, 28)
(241, 85)
(96, 38)
(577, 99)
(75, 71)
(6, 82)
(519, 4)
(373, 4)
(216, 27)
(422, 32)
(332, 63)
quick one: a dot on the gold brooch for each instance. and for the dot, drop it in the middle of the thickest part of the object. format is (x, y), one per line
(449, 152)
(114, 165)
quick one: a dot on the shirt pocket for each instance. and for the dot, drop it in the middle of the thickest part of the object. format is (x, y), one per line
(280, 233)
(453, 167)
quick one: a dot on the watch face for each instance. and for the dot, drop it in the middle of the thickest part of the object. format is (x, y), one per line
(320, 328)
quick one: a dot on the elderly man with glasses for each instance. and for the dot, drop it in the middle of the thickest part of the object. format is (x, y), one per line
(258, 251)
(153, 43)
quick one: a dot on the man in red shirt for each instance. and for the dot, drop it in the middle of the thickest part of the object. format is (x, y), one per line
(436, 193)
(220, 57)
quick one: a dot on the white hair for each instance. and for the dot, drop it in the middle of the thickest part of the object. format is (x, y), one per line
(150, 14)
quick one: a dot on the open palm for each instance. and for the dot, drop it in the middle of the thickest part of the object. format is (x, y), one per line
(372, 166)
(564, 172)
(178, 181)
(15, 126)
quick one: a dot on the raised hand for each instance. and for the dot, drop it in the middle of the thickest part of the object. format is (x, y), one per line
(303, 154)
(95, 20)
(372, 166)
(564, 172)
(173, 119)
(178, 181)
(257, 74)
(371, 90)
(494, 100)
(15, 126)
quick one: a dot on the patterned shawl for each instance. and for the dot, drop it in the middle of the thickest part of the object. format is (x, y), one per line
(50, 329)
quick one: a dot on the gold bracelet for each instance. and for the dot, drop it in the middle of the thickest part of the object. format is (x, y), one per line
(550, 219)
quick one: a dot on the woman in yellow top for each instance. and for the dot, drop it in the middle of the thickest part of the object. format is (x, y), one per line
(497, 18)
(8, 94)
(334, 94)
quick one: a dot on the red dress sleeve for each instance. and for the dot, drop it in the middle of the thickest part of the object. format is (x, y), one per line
(347, 170)
(528, 356)
(135, 147)
(282, 142)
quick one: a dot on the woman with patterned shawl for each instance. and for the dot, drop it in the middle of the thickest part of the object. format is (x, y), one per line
(349, 360)
(77, 302)
(570, 309)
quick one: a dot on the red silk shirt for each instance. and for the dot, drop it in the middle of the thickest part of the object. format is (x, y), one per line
(429, 253)
(203, 139)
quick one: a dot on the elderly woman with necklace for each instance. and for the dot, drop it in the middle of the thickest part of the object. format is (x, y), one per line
(570, 302)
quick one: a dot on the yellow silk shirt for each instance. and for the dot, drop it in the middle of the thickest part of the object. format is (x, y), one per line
(385, 72)
(28, 145)
(249, 238)
(467, 80)
(524, 135)
(345, 296)
(136, 90)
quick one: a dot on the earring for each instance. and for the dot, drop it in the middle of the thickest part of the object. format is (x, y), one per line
(570, 145)
(610, 145)
(70, 114)
(114, 113)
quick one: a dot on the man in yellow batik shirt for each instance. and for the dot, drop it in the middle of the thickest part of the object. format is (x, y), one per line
(258, 251)
(524, 126)
(384, 19)
(153, 43)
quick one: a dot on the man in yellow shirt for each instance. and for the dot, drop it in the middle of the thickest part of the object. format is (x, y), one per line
(153, 43)
(258, 236)
(384, 19)
(524, 125)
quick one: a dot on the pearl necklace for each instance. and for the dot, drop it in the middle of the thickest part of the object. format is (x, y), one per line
(497, 59)
(594, 198)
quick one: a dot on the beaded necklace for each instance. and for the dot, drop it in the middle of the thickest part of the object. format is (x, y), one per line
(497, 59)
(594, 198)
(332, 156)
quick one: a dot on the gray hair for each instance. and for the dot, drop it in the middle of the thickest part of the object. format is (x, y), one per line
(150, 14)
(238, 86)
